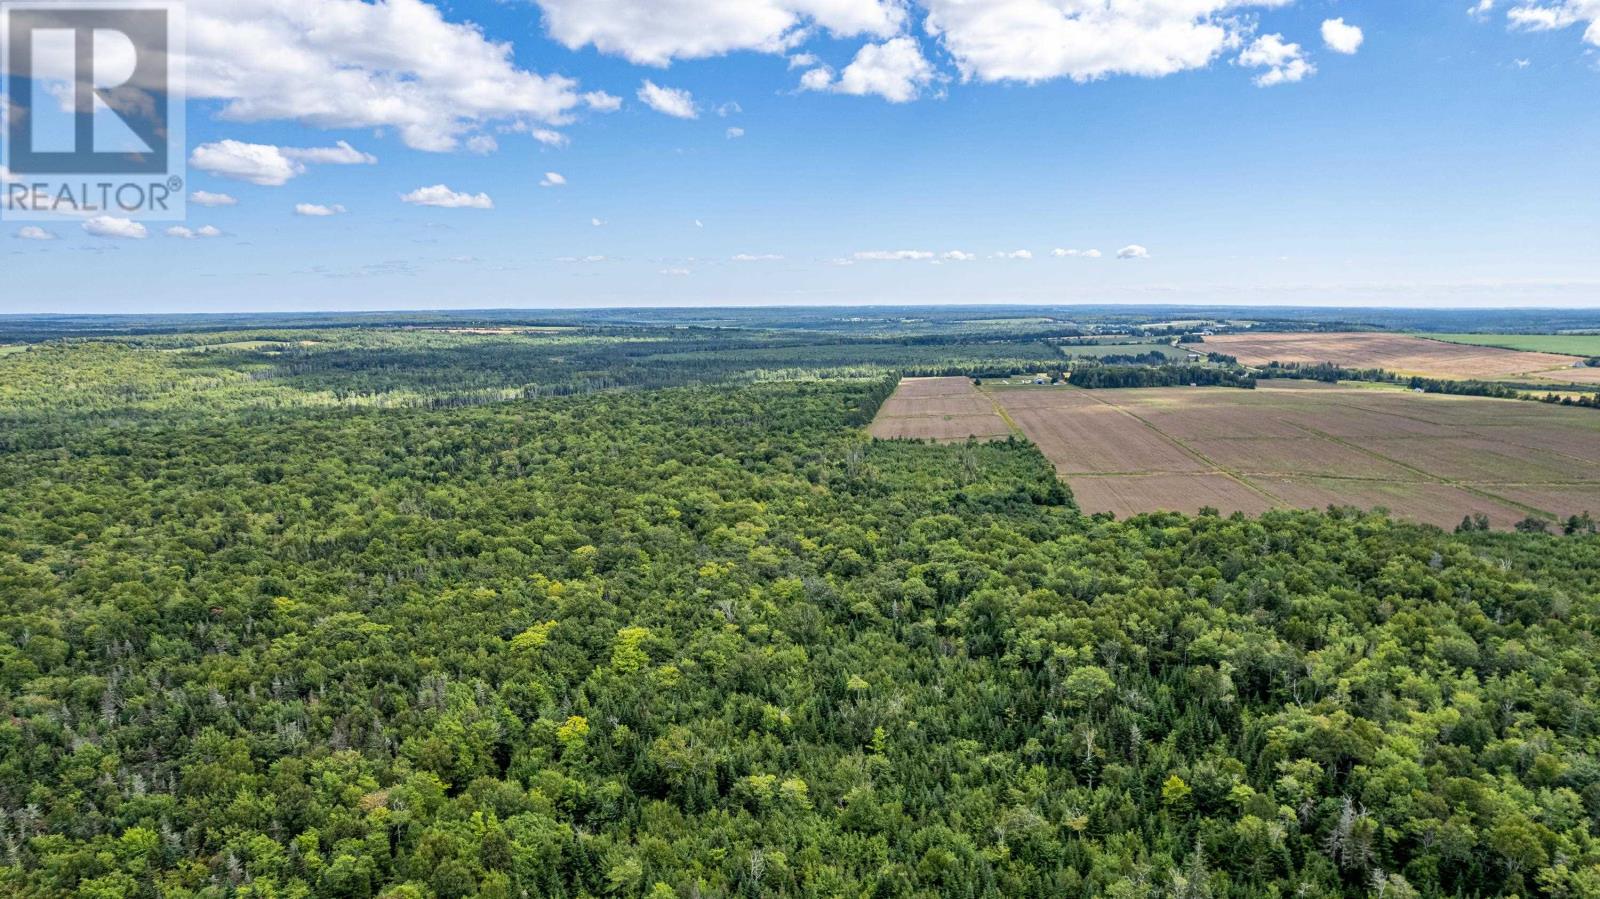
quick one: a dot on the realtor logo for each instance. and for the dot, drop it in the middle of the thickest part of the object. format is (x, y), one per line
(93, 116)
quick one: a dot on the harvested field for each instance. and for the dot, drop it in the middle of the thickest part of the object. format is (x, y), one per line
(944, 409)
(1398, 353)
(1424, 457)
(1173, 492)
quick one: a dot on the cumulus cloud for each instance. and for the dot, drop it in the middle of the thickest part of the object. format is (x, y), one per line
(443, 197)
(179, 231)
(892, 256)
(34, 232)
(352, 64)
(317, 210)
(600, 101)
(671, 101)
(338, 154)
(1061, 253)
(958, 256)
(1481, 9)
(482, 144)
(1133, 251)
(1039, 40)
(595, 222)
(553, 179)
(1014, 254)
(1550, 16)
(735, 133)
(655, 32)
(894, 70)
(1342, 38)
(268, 165)
(550, 137)
(114, 227)
(207, 198)
(1285, 63)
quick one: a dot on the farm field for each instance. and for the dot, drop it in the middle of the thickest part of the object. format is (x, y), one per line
(1398, 353)
(1569, 344)
(941, 409)
(1288, 444)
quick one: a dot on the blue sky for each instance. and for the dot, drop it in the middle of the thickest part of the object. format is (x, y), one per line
(1448, 160)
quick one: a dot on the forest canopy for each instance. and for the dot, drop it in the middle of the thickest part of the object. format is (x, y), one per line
(624, 612)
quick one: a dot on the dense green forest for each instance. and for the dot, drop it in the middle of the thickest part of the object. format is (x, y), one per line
(642, 612)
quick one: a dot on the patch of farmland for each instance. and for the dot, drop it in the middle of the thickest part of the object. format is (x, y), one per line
(1397, 353)
(1101, 439)
(944, 409)
(1443, 505)
(1567, 344)
(1131, 495)
(1424, 457)
(1562, 501)
(1301, 455)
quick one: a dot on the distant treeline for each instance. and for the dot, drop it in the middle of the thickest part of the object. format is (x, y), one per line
(1109, 376)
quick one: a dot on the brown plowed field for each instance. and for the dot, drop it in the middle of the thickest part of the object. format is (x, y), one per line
(1173, 492)
(1425, 457)
(944, 409)
(1398, 353)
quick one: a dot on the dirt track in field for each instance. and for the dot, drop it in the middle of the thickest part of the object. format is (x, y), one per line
(1397, 353)
(1300, 444)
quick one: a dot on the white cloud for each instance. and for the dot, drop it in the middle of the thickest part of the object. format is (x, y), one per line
(597, 222)
(699, 224)
(958, 256)
(1481, 10)
(1060, 253)
(600, 101)
(317, 210)
(207, 198)
(803, 60)
(482, 144)
(1522, 63)
(735, 133)
(1550, 16)
(261, 164)
(892, 256)
(1015, 254)
(34, 232)
(1342, 38)
(757, 257)
(671, 101)
(553, 179)
(818, 79)
(655, 32)
(267, 165)
(352, 64)
(676, 272)
(1038, 40)
(549, 137)
(1285, 62)
(339, 154)
(894, 70)
(445, 198)
(729, 108)
(184, 233)
(111, 226)
(1133, 251)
